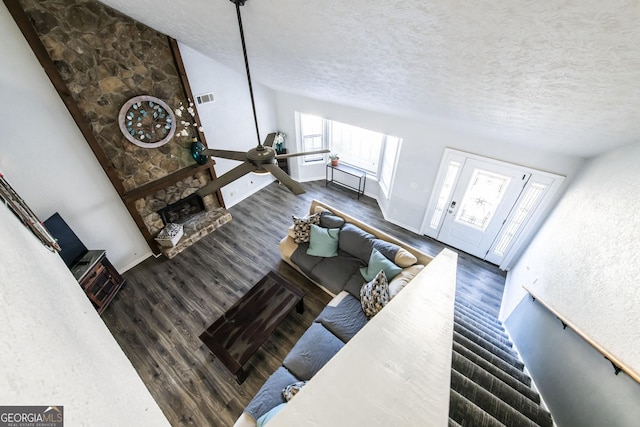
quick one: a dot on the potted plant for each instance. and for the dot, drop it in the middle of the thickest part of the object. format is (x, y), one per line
(335, 160)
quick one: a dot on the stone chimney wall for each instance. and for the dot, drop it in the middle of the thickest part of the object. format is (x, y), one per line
(105, 58)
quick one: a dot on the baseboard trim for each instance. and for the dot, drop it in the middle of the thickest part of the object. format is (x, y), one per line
(137, 261)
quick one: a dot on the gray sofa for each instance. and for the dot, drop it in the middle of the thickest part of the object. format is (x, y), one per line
(343, 317)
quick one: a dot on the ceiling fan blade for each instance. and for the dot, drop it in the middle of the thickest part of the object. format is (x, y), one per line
(304, 153)
(241, 156)
(226, 178)
(284, 178)
(268, 141)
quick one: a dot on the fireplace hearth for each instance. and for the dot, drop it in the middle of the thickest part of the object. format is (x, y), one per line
(182, 210)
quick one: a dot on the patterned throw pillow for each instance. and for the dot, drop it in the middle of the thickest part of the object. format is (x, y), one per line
(302, 227)
(374, 295)
(289, 391)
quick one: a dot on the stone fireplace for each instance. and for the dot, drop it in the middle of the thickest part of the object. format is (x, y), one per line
(179, 204)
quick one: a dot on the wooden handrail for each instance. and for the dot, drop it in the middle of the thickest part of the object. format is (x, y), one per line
(618, 364)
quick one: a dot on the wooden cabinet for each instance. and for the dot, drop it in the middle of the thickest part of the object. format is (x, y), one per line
(283, 163)
(98, 278)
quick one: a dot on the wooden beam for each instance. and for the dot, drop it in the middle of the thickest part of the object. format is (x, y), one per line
(159, 184)
(177, 57)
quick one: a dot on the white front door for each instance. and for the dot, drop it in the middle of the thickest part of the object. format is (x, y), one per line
(482, 200)
(487, 207)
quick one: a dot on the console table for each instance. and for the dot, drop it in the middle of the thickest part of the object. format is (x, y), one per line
(98, 278)
(349, 170)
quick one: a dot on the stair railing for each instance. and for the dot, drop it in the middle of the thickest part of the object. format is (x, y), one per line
(618, 365)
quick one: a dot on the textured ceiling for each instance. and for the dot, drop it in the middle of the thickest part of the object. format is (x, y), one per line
(561, 75)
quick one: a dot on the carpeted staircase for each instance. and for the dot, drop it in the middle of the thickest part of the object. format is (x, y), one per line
(488, 385)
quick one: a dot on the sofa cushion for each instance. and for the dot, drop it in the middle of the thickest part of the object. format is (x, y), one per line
(378, 262)
(328, 220)
(302, 227)
(323, 242)
(334, 273)
(402, 279)
(345, 319)
(270, 394)
(356, 241)
(312, 351)
(305, 262)
(354, 284)
(374, 295)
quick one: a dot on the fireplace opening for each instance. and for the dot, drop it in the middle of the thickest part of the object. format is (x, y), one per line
(182, 210)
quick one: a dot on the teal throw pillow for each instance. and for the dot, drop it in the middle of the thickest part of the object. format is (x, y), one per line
(378, 262)
(323, 241)
(269, 415)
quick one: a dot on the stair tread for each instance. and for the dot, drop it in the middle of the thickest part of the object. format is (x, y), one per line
(486, 338)
(494, 406)
(500, 336)
(503, 376)
(488, 385)
(466, 413)
(511, 358)
(489, 321)
(510, 396)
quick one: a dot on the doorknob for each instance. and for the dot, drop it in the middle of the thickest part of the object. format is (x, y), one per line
(452, 206)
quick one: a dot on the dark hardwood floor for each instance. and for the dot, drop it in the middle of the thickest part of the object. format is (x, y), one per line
(166, 304)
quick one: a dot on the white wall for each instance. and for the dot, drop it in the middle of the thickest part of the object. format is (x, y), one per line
(228, 121)
(46, 159)
(55, 348)
(422, 149)
(584, 260)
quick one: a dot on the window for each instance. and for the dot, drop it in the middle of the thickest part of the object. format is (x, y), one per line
(374, 152)
(528, 201)
(312, 129)
(445, 192)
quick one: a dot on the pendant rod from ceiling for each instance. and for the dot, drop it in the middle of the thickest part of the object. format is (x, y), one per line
(239, 3)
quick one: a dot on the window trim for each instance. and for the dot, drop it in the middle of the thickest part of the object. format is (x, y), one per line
(326, 132)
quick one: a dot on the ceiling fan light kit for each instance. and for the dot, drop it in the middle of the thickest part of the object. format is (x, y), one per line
(261, 159)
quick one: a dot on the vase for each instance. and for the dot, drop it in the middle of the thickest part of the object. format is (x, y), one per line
(196, 148)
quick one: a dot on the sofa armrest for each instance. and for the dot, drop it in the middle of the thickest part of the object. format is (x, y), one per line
(287, 248)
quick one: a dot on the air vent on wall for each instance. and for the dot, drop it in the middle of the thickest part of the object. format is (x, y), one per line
(203, 99)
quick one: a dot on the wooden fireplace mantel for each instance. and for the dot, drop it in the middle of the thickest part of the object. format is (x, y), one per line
(159, 184)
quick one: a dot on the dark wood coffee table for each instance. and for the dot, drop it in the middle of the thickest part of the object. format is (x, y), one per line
(238, 333)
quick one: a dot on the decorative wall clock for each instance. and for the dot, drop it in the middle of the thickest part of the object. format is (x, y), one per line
(147, 121)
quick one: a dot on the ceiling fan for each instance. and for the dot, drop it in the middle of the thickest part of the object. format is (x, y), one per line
(261, 159)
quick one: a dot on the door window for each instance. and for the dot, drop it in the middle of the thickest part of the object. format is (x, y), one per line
(484, 194)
